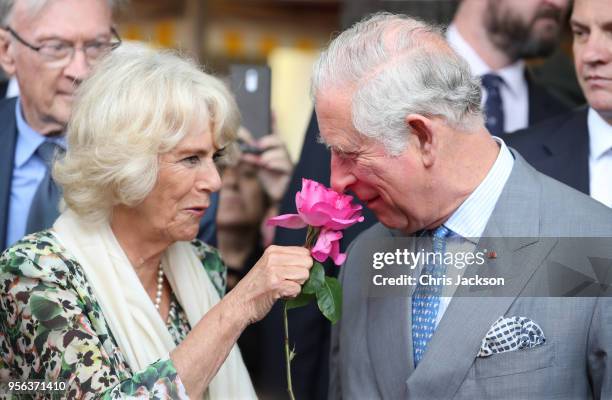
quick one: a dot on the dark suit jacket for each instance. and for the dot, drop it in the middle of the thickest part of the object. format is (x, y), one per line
(3, 88)
(542, 105)
(558, 147)
(8, 139)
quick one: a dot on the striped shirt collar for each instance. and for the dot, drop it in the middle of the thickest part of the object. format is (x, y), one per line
(470, 219)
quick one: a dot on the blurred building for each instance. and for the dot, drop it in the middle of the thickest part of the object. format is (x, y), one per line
(286, 35)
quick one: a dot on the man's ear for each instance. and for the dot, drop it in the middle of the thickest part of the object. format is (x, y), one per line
(7, 61)
(426, 140)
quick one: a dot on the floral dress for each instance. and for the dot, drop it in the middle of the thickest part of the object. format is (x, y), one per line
(52, 327)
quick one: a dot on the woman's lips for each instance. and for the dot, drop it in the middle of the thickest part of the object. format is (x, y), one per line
(197, 211)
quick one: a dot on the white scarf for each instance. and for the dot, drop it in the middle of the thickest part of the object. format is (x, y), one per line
(141, 333)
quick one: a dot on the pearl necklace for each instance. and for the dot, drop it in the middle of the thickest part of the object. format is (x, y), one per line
(160, 287)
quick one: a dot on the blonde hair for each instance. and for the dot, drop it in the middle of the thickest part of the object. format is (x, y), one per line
(139, 103)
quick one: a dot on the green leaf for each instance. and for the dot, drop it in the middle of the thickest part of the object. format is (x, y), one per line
(300, 301)
(291, 355)
(329, 299)
(43, 308)
(315, 280)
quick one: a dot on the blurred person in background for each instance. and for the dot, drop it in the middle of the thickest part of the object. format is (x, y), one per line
(117, 299)
(50, 47)
(576, 148)
(251, 188)
(495, 37)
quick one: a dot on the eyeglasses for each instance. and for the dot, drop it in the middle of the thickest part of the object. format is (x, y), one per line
(58, 53)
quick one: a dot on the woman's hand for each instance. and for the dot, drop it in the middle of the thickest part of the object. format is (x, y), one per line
(279, 273)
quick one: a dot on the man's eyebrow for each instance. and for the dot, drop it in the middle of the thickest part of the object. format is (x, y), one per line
(576, 24)
(47, 37)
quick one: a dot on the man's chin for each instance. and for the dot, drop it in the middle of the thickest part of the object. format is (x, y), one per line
(390, 220)
(61, 114)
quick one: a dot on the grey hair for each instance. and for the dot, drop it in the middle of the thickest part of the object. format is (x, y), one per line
(139, 103)
(34, 6)
(397, 65)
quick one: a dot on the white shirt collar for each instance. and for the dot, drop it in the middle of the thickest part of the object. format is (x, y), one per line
(600, 135)
(513, 74)
(12, 89)
(470, 219)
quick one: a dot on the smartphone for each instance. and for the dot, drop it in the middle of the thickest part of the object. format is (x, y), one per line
(251, 85)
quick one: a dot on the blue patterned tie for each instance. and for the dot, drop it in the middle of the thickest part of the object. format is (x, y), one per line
(426, 299)
(494, 110)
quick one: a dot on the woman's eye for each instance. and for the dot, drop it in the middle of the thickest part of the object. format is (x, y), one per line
(218, 156)
(192, 160)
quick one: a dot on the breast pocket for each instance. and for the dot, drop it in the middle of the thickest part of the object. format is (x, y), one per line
(513, 362)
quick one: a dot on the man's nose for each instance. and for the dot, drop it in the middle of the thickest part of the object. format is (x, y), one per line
(596, 49)
(561, 4)
(78, 68)
(341, 177)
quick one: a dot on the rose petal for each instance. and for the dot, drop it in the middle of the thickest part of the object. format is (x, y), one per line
(291, 221)
(312, 192)
(314, 218)
(337, 224)
(335, 254)
(325, 244)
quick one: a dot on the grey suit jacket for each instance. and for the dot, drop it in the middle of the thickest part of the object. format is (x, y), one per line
(371, 348)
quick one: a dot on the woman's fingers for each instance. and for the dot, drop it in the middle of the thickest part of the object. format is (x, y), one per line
(279, 273)
(296, 274)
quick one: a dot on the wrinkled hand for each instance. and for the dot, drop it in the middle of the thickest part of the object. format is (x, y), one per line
(279, 273)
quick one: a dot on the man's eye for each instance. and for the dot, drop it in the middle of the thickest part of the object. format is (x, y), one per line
(578, 33)
(97, 45)
(57, 47)
(346, 155)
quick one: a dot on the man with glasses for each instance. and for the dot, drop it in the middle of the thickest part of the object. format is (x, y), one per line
(50, 46)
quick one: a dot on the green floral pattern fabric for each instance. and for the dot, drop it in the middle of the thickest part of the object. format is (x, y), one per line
(52, 327)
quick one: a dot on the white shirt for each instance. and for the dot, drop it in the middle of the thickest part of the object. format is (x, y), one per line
(600, 158)
(470, 219)
(12, 89)
(514, 91)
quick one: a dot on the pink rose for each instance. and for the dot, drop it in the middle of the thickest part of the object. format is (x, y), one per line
(319, 206)
(328, 245)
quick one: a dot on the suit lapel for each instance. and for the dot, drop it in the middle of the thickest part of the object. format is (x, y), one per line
(570, 142)
(512, 232)
(8, 139)
(542, 105)
(389, 339)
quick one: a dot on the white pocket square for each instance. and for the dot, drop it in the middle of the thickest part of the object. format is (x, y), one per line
(509, 334)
